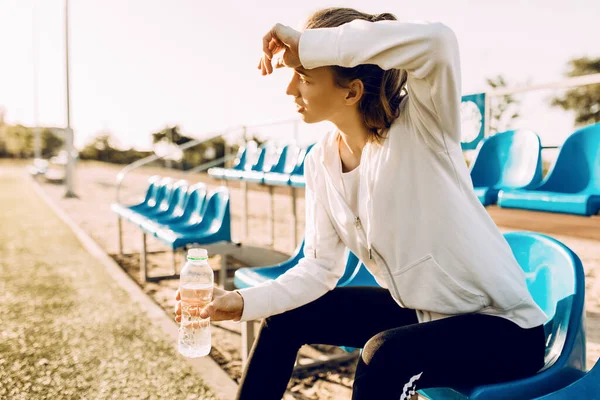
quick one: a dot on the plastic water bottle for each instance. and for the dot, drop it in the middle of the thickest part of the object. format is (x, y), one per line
(196, 289)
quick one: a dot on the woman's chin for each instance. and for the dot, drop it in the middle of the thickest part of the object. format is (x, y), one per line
(307, 118)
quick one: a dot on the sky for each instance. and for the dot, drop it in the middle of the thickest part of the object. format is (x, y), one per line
(140, 65)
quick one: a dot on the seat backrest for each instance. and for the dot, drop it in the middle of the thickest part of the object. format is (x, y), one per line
(577, 166)
(299, 169)
(361, 277)
(195, 202)
(240, 158)
(248, 158)
(168, 189)
(152, 188)
(285, 160)
(555, 279)
(216, 210)
(508, 159)
(163, 189)
(178, 196)
(260, 161)
(291, 159)
(352, 263)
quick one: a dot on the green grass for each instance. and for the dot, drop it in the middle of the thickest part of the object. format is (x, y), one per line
(67, 330)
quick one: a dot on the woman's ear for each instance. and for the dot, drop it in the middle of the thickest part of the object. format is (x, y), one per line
(355, 92)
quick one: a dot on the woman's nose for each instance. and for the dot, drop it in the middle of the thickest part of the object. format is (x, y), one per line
(292, 88)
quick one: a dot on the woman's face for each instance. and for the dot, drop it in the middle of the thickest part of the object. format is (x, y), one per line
(316, 95)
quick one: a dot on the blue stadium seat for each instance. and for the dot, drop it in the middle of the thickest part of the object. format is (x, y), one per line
(572, 185)
(173, 195)
(507, 160)
(278, 166)
(249, 277)
(555, 279)
(183, 214)
(283, 179)
(257, 165)
(360, 277)
(155, 193)
(151, 191)
(238, 164)
(214, 225)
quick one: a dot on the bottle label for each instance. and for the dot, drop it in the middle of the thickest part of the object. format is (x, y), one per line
(197, 258)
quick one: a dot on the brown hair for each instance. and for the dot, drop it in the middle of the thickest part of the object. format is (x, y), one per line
(383, 89)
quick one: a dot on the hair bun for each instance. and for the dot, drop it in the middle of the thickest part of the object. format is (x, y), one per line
(382, 17)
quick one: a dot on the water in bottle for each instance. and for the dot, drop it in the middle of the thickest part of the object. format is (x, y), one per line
(196, 289)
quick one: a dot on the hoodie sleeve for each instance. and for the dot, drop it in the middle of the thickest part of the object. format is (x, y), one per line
(316, 274)
(428, 52)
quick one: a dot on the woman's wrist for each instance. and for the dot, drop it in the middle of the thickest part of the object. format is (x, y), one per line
(241, 300)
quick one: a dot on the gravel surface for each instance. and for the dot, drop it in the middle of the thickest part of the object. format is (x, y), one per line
(68, 331)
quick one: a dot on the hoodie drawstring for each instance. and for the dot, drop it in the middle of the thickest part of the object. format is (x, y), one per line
(369, 198)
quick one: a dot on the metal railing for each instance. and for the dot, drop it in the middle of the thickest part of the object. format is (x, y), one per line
(567, 83)
(154, 157)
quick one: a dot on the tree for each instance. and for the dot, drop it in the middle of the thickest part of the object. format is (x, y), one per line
(504, 109)
(584, 100)
(102, 148)
(195, 155)
(17, 141)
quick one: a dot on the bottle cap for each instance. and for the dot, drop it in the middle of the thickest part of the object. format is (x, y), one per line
(197, 254)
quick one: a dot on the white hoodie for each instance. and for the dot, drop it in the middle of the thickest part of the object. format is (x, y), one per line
(420, 229)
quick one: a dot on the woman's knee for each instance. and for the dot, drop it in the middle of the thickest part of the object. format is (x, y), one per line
(374, 350)
(386, 370)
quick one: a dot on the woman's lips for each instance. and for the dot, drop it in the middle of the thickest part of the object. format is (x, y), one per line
(300, 108)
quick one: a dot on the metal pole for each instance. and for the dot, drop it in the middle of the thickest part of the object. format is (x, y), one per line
(487, 111)
(37, 152)
(272, 213)
(143, 260)
(70, 161)
(248, 336)
(244, 187)
(120, 227)
(295, 217)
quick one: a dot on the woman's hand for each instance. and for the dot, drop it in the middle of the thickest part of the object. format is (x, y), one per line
(280, 37)
(225, 305)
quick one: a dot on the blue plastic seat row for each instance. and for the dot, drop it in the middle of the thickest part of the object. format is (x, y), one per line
(355, 273)
(181, 215)
(507, 160)
(154, 196)
(508, 170)
(572, 185)
(282, 169)
(555, 279)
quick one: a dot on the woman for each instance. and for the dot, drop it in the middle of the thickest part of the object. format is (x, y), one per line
(389, 183)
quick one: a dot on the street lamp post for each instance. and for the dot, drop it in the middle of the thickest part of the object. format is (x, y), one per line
(37, 152)
(69, 172)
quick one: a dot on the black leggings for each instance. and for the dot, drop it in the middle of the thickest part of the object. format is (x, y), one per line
(399, 355)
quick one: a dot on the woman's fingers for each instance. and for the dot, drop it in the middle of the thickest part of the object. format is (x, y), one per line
(264, 63)
(208, 311)
(266, 42)
(224, 306)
